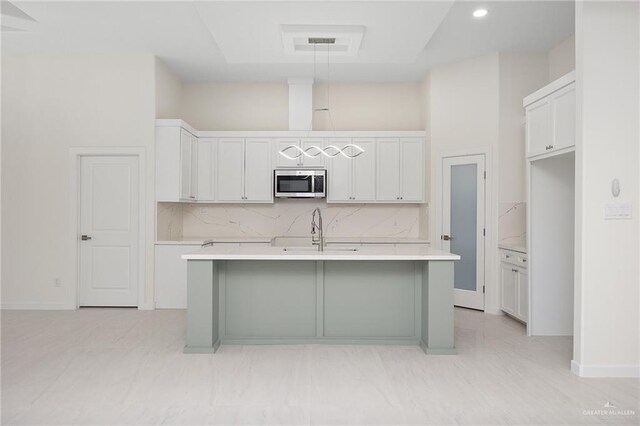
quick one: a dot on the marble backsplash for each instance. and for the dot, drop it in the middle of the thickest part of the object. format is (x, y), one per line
(169, 222)
(290, 218)
(512, 223)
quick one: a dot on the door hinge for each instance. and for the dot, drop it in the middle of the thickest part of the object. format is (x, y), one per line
(485, 175)
(484, 232)
(482, 289)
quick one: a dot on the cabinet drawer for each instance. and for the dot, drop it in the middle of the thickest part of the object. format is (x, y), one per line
(521, 260)
(513, 257)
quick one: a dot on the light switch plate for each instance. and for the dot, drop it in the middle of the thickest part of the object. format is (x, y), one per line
(617, 211)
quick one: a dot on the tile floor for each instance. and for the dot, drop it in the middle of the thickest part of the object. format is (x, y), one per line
(124, 366)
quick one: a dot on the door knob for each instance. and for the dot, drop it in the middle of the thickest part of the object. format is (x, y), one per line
(446, 237)
(85, 237)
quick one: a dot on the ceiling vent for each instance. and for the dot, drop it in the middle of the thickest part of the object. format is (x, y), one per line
(339, 40)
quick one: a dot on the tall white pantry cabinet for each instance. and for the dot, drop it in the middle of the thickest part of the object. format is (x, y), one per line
(551, 140)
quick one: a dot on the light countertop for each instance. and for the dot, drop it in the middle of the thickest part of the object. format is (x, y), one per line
(201, 240)
(519, 247)
(304, 240)
(311, 253)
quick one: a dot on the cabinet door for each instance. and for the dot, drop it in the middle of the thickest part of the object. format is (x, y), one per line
(315, 147)
(257, 170)
(508, 284)
(193, 169)
(564, 117)
(168, 174)
(523, 294)
(411, 170)
(171, 275)
(364, 171)
(206, 169)
(539, 127)
(388, 170)
(340, 173)
(185, 165)
(230, 170)
(281, 160)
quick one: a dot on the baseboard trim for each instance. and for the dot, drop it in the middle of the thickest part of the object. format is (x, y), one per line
(583, 370)
(147, 306)
(493, 311)
(35, 306)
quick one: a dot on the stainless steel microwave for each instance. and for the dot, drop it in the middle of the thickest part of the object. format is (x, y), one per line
(300, 183)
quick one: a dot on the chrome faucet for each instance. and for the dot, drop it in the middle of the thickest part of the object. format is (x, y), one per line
(319, 241)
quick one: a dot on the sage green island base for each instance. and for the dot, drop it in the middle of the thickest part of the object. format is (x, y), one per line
(320, 301)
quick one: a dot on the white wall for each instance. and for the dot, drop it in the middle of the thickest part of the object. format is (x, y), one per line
(520, 74)
(607, 323)
(464, 107)
(265, 106)
(368, 106)
(50, 104)
(236, 106)
(168, 92)
(562, 58)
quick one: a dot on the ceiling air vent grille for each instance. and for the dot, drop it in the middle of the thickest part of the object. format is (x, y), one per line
(340, 40)
(322, 40)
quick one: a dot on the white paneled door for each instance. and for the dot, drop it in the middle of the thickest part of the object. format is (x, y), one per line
(463, 228)
(109, 231)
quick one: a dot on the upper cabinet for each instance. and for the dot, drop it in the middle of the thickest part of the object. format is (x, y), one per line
(400, 170)
(289, 152)
(237, 167)
(551, 117)
(176, 164)
(352, 179)
(244, 170)
(207, 157)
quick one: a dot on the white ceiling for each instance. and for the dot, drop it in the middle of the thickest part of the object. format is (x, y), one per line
(242, 40)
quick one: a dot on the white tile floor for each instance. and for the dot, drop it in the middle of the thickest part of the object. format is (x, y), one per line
(121, 366)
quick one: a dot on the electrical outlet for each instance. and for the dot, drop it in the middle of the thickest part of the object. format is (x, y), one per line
(204, 210)
(57, 282)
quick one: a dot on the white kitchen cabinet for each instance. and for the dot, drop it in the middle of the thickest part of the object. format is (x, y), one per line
(508, 284)
(176, 164)
(318, 161)
(171, 271)
(315, 147)
(188, 166)
(539, 127)
(280, 159)
(564, 117)
(244, 170)
(400, 170)
(522, 310)
(207, 167)
(514, 284)
(551, 117)
(171, 275)
(258, 175)
(352, 179)
(230, 170)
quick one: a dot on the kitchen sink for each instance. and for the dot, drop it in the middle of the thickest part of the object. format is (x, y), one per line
(315, 249)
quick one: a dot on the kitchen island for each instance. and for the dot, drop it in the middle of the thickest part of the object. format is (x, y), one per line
(288, 295)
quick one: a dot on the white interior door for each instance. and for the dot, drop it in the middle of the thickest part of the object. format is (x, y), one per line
(109, 231)
(462, 233)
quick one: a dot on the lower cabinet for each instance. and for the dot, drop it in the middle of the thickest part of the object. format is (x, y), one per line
(171, 275)
(171, 272)
(514, 283)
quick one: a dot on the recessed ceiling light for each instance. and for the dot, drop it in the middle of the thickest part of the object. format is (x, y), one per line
(480, 13)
